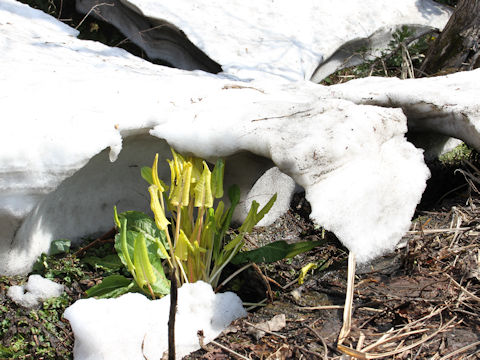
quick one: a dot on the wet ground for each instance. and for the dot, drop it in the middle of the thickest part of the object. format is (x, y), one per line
(421, 302)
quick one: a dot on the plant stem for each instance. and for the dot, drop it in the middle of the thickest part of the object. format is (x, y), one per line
(213, 280)
(171, 319)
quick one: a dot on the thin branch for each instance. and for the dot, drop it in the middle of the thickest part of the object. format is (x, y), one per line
(104, 238)
(93, 8)
(171, 319)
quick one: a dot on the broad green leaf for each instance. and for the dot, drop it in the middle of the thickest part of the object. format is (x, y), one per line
(111, 286)
(140, 222)
(146, 173)
(59, 246)
(109, 262)
(275, 251)
(143, 267)
(162, 285)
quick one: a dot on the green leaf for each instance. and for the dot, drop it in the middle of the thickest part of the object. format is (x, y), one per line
(124, 244)
(146, 173)
(141, 253)
(234, 196)
(217, 179)
(253, 217)
(275, 251)
(140, 222)
(162, 285)
(266, 208)
(109, 262)
(111, 286)
(59, 246)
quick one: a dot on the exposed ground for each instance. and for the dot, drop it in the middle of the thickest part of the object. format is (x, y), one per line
(422, 302)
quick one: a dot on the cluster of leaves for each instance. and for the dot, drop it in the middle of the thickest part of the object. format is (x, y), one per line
(195, 242)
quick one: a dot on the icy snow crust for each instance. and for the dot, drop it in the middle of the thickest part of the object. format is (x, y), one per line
(132, 327)
(361, 176)
(447, 105)
(37, 290)
(280, 38)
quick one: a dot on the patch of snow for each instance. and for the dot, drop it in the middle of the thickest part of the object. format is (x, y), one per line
(446, 105)
(36, 291)
(273, 38)
(132, 327)
(361, 176)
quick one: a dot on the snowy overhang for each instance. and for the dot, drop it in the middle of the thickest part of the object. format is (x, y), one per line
(274, 38)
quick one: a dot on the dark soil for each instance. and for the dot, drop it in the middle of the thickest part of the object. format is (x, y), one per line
(425, 295)
(423, 300)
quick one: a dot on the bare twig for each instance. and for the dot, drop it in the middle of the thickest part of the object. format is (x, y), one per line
(468, 293)
(92, 9)
(265, 280)
(228, 350)
(232, 276)
(104, 238)
(325, 307)
(459, 351)
(171, 318)
(324, 344)
(266, 331)
(413, 345)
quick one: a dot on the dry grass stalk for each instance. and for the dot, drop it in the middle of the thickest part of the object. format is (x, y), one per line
(459, 351)
(468, 293)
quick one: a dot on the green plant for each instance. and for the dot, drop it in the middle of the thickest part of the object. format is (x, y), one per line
(193, 243)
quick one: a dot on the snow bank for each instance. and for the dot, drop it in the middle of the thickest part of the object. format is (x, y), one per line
(132, 327)
(113, 112)
(444, 105)
(36, 291)
(268, 38)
